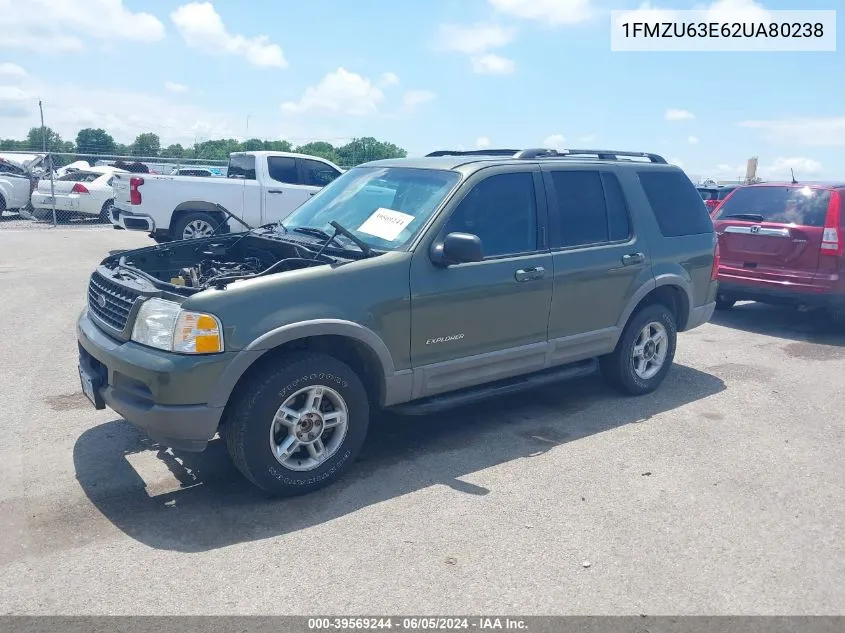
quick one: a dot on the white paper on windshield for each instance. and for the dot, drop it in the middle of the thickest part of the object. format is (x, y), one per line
(386, 223)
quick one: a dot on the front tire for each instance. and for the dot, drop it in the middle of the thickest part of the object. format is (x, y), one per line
(296, 426)
(644, 353)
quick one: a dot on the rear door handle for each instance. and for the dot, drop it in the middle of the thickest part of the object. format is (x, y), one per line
(633, 258)
(275, 191)
(530, 274)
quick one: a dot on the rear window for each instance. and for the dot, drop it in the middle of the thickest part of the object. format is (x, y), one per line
(724, 193)
(676, 203)
(80, 176)
(708, 194)
(805, 206)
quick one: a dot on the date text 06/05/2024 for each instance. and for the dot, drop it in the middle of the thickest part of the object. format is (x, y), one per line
(417, 624)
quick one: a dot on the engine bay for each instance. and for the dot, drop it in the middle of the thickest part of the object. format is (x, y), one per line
(189, 266)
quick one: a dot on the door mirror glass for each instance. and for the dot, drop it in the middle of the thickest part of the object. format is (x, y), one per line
(457, 248)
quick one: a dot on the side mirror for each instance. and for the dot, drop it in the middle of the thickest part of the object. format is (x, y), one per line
(457, 248)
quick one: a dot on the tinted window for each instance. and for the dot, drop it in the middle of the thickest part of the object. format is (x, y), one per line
(675, 202)
(502, 211)
(318, 174)
(618, 219)
(80, 176)
(283, 169)
(708, 194)
(241, 166)
(724, 193)
(790, 205)
(590, 207)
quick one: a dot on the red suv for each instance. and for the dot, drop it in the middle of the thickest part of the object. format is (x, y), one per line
(782, 243)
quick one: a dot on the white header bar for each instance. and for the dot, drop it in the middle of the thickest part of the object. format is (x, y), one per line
(738, 30)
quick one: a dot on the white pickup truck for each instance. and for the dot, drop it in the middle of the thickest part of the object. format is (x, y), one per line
(260, 187)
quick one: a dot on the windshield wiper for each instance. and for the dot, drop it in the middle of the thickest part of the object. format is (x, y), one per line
(754, 217)
(339, 229)
(311, 231)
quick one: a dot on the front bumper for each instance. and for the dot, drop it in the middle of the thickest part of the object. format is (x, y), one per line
(123, 219)
(166, 395)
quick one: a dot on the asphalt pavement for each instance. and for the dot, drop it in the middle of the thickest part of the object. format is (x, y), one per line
(722, 493)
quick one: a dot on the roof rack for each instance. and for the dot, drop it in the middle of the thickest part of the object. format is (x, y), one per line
(474, 152)
(542, 152)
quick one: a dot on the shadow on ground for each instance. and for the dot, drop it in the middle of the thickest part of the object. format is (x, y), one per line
(784, 322)
(216, 507)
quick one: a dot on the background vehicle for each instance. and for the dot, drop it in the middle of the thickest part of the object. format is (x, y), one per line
(713, 195)
(14, 191)
(782, 243)
(193, 171)
(86, 192)
(260, 187)
(412, 284)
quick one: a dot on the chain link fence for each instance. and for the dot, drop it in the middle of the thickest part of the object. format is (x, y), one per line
(70, 184)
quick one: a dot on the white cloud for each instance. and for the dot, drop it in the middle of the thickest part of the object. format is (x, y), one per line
(472, 39)
(15, 103)
(809, 132)
(8, 69)
(172, 86)
(673, 114)
(414, 98)
(482, 142)
(202, 28)
(553, 12)
(339, 92)
(492, 64)
(781, 168)
(554, 141)
(55, 26)
(692, 140)
(389, 79)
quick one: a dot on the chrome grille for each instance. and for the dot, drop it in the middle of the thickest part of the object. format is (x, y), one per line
(110, 302)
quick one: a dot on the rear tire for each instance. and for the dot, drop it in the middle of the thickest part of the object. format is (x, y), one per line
(105, 212)
(723, 302)
(194, 224)
(286, 447)
(644, 353)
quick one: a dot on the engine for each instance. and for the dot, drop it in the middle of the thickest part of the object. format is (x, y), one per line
(206, 271)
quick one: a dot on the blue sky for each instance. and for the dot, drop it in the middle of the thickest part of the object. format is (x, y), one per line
(425, 75)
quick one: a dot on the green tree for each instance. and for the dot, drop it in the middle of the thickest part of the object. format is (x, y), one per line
(278, 146)
(253, 145)
(217, 150)
(173, 151)
(319, 148)
(147, 144)
(35, 140)
(362, 150)
(94, 141)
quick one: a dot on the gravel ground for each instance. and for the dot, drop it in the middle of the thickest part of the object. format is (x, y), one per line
(722, 493)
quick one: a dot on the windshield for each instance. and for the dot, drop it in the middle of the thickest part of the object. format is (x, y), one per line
(382, 206)
(806, 206)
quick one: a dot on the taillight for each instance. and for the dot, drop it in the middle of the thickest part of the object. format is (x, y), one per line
(832, 243)
(79, 188)
(716, 258)
(711, 204)
(134, 194)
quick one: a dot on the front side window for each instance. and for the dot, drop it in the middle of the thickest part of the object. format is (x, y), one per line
(502, 211)
(385, 207)
(317, 173)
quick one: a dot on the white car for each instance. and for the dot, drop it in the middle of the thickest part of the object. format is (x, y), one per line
(86, 192)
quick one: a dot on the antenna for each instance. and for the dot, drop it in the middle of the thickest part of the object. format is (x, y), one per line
(792, 171)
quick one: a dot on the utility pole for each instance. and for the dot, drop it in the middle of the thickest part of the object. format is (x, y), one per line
(49, 161)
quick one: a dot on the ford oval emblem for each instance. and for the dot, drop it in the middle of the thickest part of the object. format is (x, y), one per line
(101, 300)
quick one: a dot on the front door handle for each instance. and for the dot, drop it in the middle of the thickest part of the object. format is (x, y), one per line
(275, 191)
(633, 258)
(530, 274)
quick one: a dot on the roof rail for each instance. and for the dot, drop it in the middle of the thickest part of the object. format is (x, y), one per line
(610, 154)
(474, 152)
(542, 152)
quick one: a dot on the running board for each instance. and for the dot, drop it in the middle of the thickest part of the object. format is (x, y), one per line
(471, 395)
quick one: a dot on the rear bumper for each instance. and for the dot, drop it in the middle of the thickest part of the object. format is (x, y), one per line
(132, 221)
(782, 294)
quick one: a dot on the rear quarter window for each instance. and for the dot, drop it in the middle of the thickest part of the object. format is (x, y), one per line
(676, 204)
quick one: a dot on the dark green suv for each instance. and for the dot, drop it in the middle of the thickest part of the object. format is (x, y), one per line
(409, 284)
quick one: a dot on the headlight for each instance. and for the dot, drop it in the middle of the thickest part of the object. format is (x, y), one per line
(164, 325)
